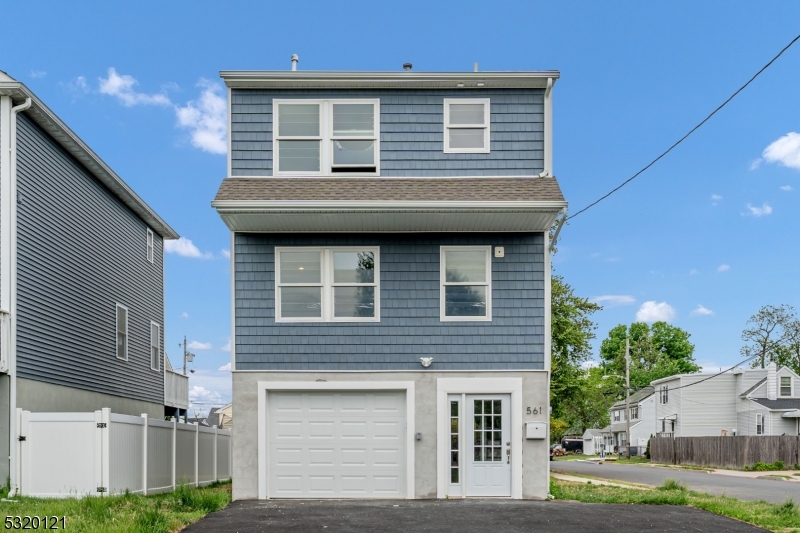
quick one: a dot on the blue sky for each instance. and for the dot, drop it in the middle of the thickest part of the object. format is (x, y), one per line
(703, 239)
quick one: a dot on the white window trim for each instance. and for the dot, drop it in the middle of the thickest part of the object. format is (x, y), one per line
(791, 387)
(327, 284)
(486, 125)
(488, 284)
(116, 330)
(151, 246)
(759, 416)
(326, 136)
(157, 368)
(264, 387)
(634, 412)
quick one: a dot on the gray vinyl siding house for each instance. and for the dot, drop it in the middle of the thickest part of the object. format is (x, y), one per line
(390, 262)
(76, 246)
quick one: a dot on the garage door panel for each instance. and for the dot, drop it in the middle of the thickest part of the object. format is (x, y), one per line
(324, 445)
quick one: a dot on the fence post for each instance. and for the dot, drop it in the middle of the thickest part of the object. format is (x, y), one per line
(174, 448)
(216, 436)
(196, 453)
(144, 454)
(106, 454)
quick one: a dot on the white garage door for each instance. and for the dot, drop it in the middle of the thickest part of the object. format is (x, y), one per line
(336, 444)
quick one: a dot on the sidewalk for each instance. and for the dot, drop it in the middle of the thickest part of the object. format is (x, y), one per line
(576, 479)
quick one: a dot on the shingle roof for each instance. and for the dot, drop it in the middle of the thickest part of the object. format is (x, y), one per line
(489, 189)
(636, 397)
(751, 389)
(593, 432)
(782, 403)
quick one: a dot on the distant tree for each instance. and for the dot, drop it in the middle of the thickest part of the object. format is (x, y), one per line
(769, 335)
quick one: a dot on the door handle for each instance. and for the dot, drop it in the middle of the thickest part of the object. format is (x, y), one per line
(508, 453)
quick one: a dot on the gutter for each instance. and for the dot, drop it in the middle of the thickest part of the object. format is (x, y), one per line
(224, 206)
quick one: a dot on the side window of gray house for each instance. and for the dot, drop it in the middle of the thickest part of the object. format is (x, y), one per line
(122, 332)
(466, 125)
(327, 284)
(155, 346)
(150, 246)
(466, 283)
(786, 385)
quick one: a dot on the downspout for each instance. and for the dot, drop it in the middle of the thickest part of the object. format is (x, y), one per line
(548, 129)
(11, 189)
(561, 222)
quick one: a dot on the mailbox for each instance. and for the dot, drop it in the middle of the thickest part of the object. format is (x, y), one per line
(536, 430)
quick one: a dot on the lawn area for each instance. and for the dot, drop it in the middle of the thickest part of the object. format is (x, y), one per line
(160, 513)
(780, 518)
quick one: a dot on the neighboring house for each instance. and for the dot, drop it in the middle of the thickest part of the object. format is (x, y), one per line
(222, 417)
(592, 441)
(737, 402)
(81, 277)
(390, 256)
(643, 422)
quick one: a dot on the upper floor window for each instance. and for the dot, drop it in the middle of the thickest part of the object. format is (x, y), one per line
(635, 413)
(155, 346)
(122, 332)
(466, 289)
(327, 284)
(320, 137)
(150, 252)
(664, 395)
(466, 125)
(786, 385)
(616, 416)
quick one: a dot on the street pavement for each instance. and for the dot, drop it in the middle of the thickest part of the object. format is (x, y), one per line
(458, 516)
(742, 488)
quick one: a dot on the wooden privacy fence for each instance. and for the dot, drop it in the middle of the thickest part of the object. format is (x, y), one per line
(725, 452)
(93, 454)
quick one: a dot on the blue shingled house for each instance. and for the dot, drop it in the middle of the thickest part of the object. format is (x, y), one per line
(390, 282)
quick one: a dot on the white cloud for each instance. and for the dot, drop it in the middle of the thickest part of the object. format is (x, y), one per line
(693, 272)
(185, 248)
(652, 311)
(227, 347)
(206, 119)
(701, 311)
(756, 211)
(755, 163)
(197, 345)
(38, 74)
(723, 268)
(225, 368)
(715, 199)
(184, 315)
(785, 151)
(76, 85)
(122, 88)
(613, 300)
(786, 188)
(226, 253)
(209, 388)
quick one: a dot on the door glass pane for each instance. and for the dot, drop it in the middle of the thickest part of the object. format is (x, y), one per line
(454, 442)
(497, 423)
(454, 425)
(487, 407)
(453, 408)
(453, 458)
(298, 120)
(353, 152)
(478, 438)
(353, 267)
(498, 437)
(301, 267)
(467, 138)
(478, 422)
(478, 405)
(487, 438)
(464, 300)
(353, 302)
(467, 113)
(497, 456)
(498, 409)
(301, 302)
(354, 120)
(478, 453)
(464, 266)
(298, 156)
(487, 422)
(454, 475)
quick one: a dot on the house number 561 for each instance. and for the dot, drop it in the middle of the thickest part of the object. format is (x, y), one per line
(534, 410)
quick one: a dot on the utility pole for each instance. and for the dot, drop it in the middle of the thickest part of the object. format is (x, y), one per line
(628, 395)
(187, 355)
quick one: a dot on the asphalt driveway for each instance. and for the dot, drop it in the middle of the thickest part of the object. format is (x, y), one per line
(459, 516)
(771, 490)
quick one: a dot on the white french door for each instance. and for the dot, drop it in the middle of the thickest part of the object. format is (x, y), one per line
(479, 445)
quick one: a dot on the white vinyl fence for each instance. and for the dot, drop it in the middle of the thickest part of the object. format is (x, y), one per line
(81, 454)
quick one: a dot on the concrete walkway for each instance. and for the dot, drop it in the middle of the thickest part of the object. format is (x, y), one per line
(576, 479)
(458, 516)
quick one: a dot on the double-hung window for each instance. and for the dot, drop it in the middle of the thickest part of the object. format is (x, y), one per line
(634, 413)
(759, 424)
(616, 416)
(466, 125)
(327, 284)
(323, 137)
(664, 395)
(122, 332)
(786, 386)
(150, 245)
(155, 346)
(465, 291)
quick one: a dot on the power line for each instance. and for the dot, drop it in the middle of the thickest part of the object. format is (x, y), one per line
(668, 150)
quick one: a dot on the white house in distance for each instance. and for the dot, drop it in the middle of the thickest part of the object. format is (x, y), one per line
(643, 422)
(737, 402)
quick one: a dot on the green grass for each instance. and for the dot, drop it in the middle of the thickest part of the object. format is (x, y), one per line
(160, 513)
(773, 517)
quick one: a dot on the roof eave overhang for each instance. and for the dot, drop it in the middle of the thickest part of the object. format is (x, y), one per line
(388, 216)
(53, 125)
(282, 79)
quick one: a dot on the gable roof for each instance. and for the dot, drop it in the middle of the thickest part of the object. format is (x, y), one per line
(61, 133)
(592, 433)
(636, 398)
(753, 388)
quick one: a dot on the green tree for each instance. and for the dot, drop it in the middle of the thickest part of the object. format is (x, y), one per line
(588, 408)
(572, 333)
(768, 333)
